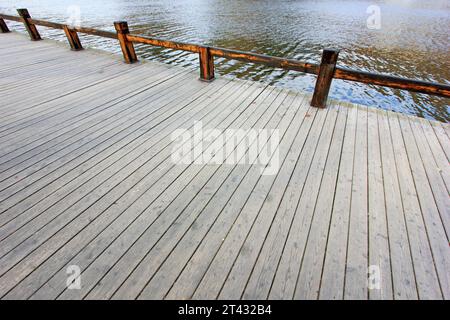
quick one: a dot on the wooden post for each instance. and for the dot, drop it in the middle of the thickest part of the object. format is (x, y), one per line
(31, 28)
(3, 26)
(206, 64)
(126, 45)
(324, 78)
(72, 37)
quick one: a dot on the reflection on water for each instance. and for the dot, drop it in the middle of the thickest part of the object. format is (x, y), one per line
(413, 40)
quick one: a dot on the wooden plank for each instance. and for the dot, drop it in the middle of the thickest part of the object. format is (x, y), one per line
(222, 210)
(434, 177)
(441, 135)
(56, 96)
(20, 163)
(141, 104)
(224, 203)
(118, 192)
(438, 151)
(88, 169)
(21, 40)
(249, 252)
(48, 71)
(198, 264)
(76, 119)
(79, 121)
(46, 270)
(333, 273)
(43, 66)
(45, 82)
(21, 174)
(357, 249)
(42, 56)
(64, 95)
(446, 127)
(308, 283)
(127, 122)
(434, 229)
(380, 285)
(21, 45)
(30, 186)
(51, 71)
(285, 280)
(64, 109)
(426, 278)
(403, 276)
(141, 205)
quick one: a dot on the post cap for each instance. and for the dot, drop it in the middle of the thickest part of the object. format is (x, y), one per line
(330, 55)
(121, 26)
(23, 12)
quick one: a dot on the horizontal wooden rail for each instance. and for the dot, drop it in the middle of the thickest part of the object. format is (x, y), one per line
(326, 71)
(164, 43)
(90, 31)
(47, 24)
(8, 17)
(384, 80)
(270, 61)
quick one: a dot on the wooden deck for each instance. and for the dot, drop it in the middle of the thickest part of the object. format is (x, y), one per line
(86, 179)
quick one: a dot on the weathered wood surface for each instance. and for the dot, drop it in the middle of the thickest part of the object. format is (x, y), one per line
(127, 47)
(86, 179)
(324, 78)
(29, 26)
(72, 37)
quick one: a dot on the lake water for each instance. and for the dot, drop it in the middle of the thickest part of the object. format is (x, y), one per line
(412, 39)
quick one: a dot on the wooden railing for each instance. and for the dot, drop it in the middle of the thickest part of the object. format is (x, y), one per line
(325, 71)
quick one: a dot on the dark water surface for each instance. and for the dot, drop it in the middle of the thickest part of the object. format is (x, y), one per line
(413, 40)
